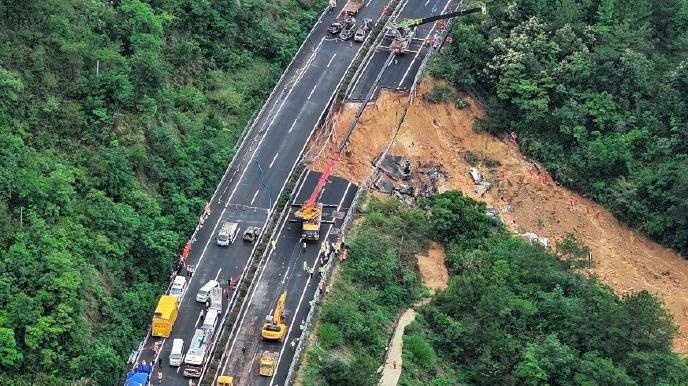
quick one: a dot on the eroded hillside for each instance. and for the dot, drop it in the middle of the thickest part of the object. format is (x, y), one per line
(523, 194)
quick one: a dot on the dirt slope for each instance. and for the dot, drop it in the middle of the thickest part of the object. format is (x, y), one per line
(433, 272)
(624, 259)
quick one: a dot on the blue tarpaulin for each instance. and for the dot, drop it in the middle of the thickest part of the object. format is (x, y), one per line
(139, 377)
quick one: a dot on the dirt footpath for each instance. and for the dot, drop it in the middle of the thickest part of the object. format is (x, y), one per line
(526, 199)
(434, 276)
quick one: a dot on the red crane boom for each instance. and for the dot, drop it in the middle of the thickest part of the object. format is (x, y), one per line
(322, 181)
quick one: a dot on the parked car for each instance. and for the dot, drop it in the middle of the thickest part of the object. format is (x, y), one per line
(362, 30)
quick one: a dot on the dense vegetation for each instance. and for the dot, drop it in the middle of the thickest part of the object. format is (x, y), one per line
(117, 119)
(597, 90)
(514, 314)
(378, 280)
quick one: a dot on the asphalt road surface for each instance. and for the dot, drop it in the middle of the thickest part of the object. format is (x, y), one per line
(259, 171)
(284, 271)
(402, 71)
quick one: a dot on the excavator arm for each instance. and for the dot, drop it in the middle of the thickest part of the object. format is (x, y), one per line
(279, 308)
(416, 22)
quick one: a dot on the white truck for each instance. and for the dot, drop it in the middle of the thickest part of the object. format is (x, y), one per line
(195, 357)
(216, 299)
(227, 233)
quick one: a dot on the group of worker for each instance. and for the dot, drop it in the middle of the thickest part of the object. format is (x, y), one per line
(327, 250)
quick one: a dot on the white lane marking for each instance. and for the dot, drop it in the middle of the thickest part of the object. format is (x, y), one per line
(296, 81)
(282, 188)
(301, 72)
(260, 277)
(420, 49)
(292, 125)
(332, 58)
(305, 288)
(254, 196)
(236, 234)
(313, 90)
(293, 83)
(365, 66)
(426, 3)
(273, 160)
(218, 273)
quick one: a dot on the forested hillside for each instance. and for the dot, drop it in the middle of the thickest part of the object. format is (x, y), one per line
(596, 90)
(117, 120)
(513, 314)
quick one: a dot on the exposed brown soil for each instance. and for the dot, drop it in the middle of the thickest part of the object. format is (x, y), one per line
(624, 259)
(433, 272)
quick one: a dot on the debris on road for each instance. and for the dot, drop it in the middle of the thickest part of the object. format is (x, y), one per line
(400, 180)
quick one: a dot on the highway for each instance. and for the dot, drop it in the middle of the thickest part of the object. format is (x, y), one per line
(402, 72)
(283, 271)
(259, 171)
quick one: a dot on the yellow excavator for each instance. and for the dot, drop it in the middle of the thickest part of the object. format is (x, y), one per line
(275, 327)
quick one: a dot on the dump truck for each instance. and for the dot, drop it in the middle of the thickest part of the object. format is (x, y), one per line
(268, 362)
(275, 327)
(352, 7)
(346, 20)
(165, 315)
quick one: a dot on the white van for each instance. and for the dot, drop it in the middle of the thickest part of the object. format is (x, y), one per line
(227, 233)
(209, 322)
(216, 299)
(178, 287)
(204, 293)
(177, 353)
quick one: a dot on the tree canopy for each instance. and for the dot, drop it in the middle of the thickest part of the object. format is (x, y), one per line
(117, 120)
(596, 90)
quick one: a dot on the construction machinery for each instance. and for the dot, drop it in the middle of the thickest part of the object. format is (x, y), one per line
(268, 362)
(405, 31)
(310, 212)
(275, 327)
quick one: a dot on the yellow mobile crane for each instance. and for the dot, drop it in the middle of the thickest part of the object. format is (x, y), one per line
(275, 327)
(311, 211)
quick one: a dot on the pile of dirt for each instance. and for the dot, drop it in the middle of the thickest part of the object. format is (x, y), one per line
(433, 272)
(521, 193)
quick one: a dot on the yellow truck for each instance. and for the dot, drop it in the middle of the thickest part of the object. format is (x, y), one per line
(311, 217)
(267, 363)
(225, 380)
(165, 315)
